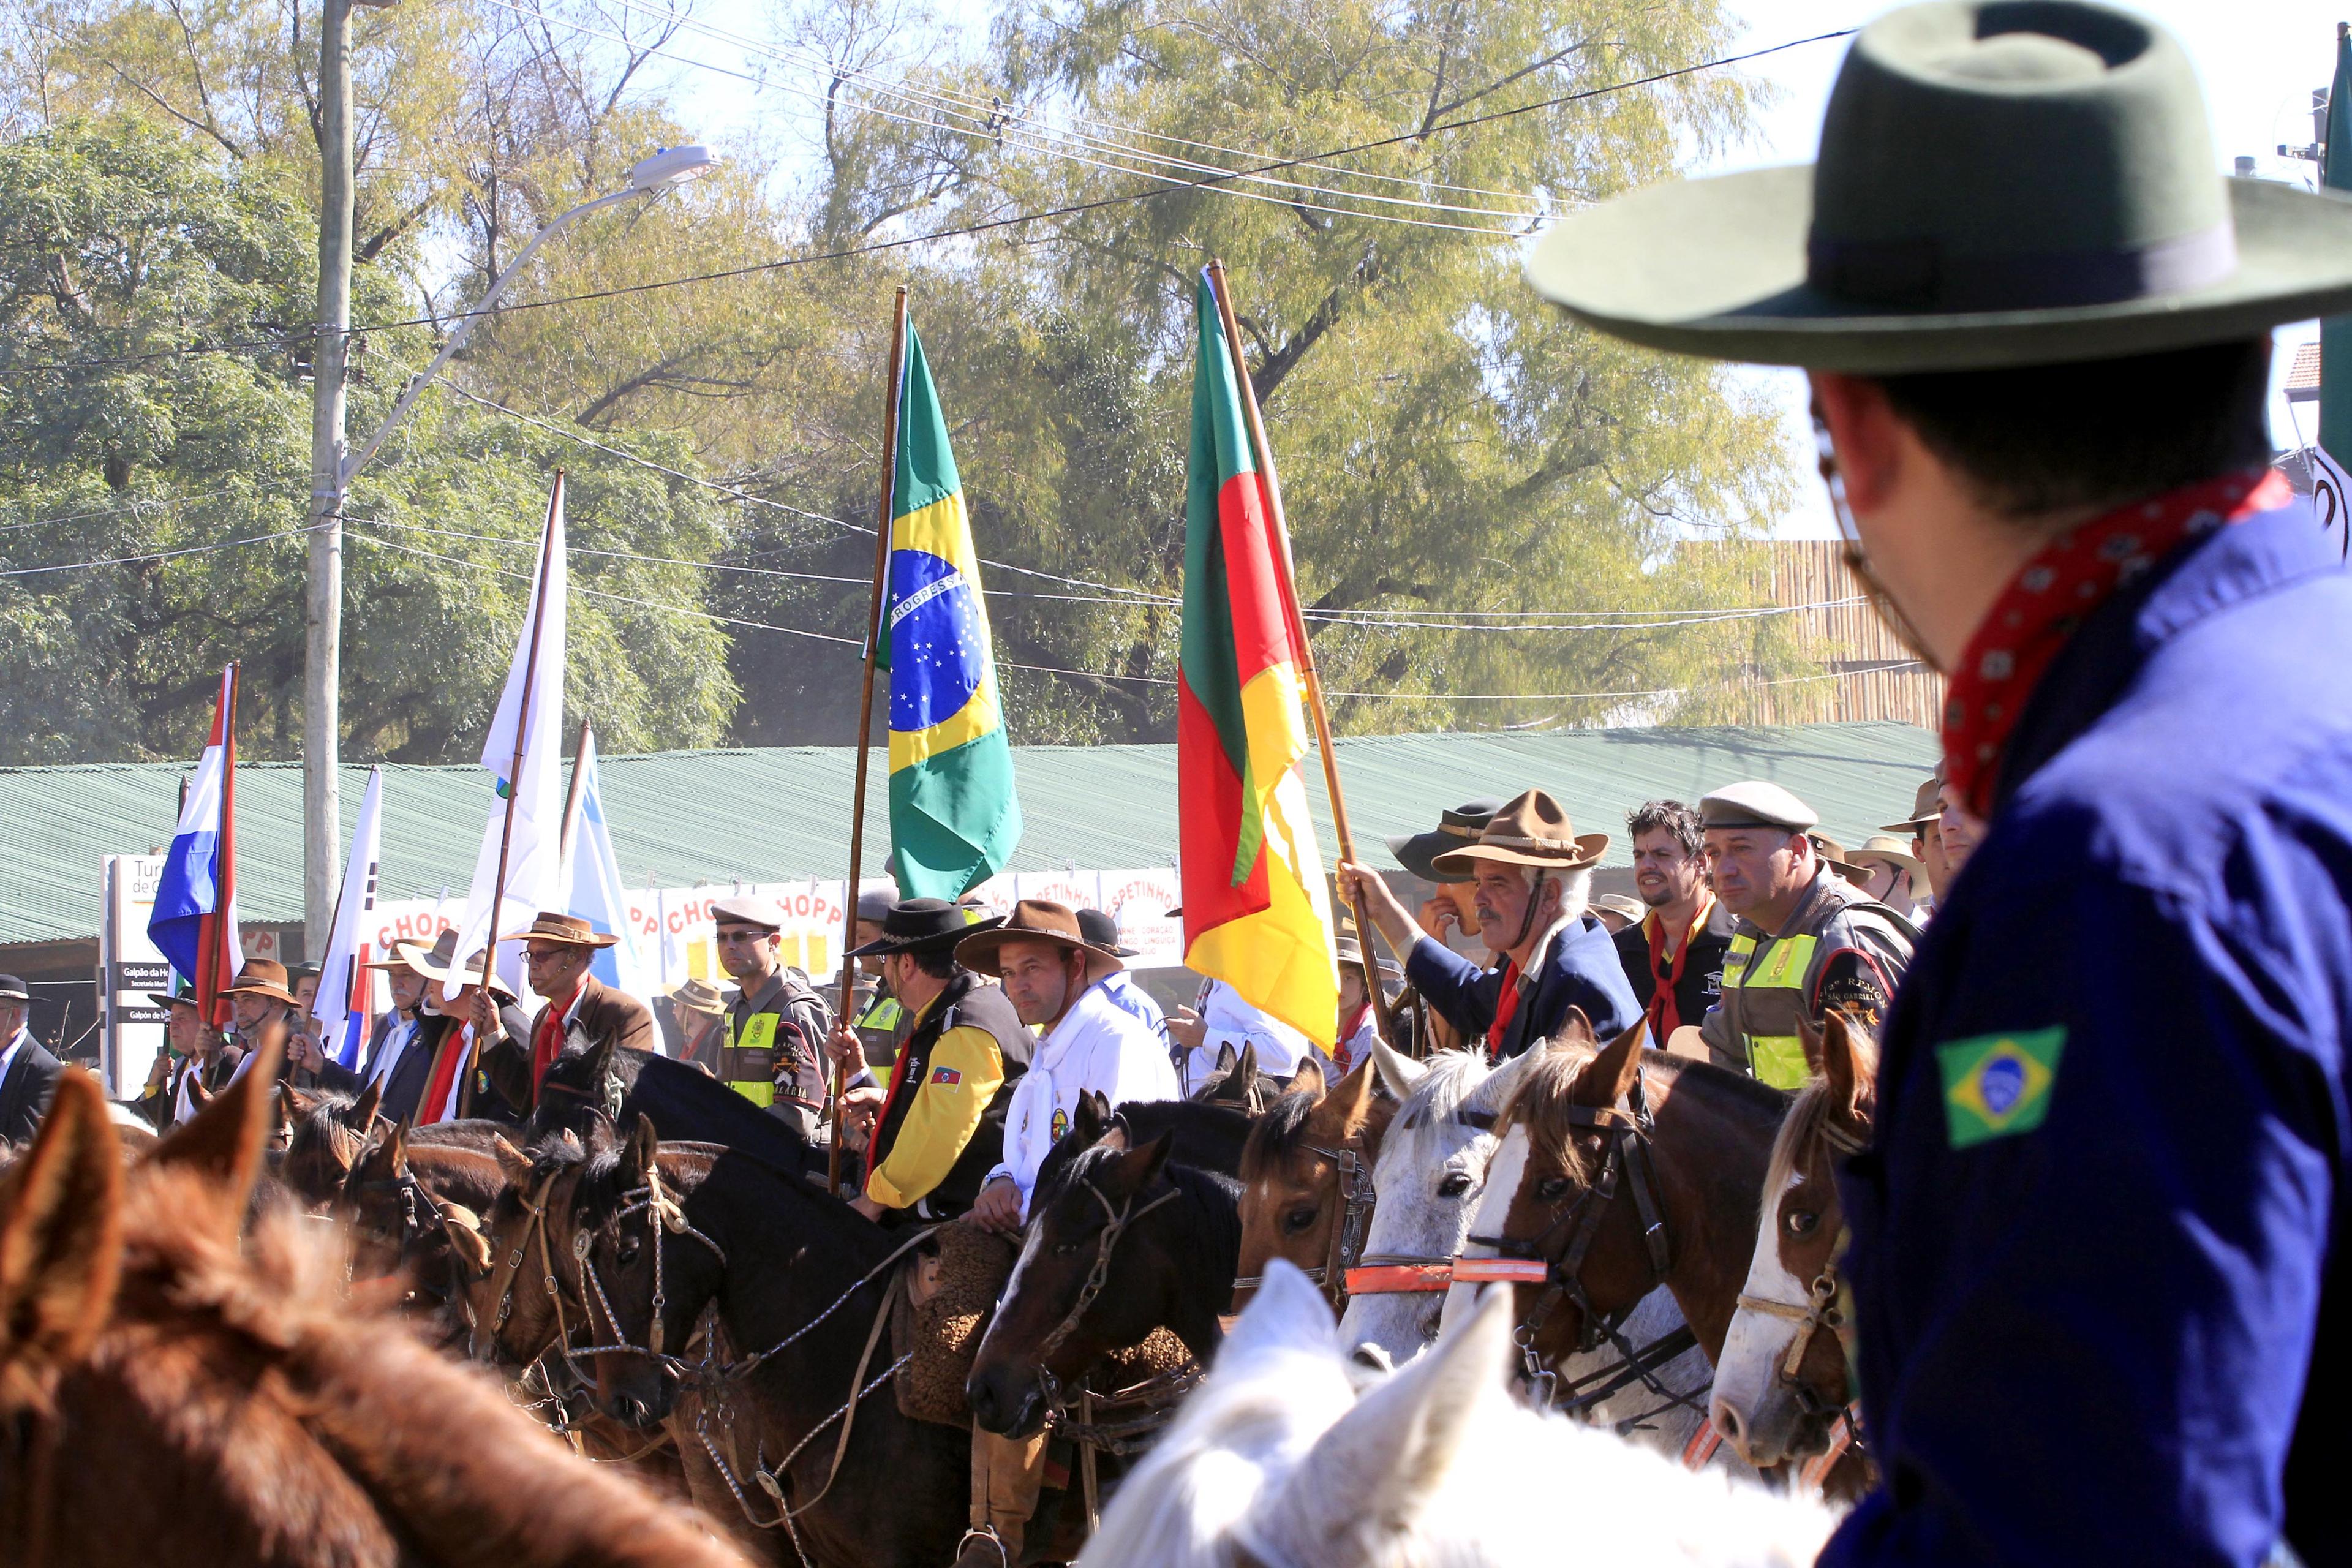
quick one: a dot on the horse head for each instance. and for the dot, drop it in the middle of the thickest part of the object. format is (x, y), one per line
(1306, 1178)
(1076, 1293)
(1781, 1379)
(1427, 1180)
(327, 1133)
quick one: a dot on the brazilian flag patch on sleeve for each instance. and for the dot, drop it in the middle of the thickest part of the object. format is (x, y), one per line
(1998, 1085)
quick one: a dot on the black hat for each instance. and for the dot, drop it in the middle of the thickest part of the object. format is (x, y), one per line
(13, 989)
(1457, 827)
(183, 995)
(1101, 931)
(920, 925)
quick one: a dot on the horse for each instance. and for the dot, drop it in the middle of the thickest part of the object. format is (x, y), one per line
(804, 1283)
(177, 1388)
(326, 1133)
(580, 1082)
(1780, 1385)
(414, 1209)
(1620, 1170)
(1238, 1081)
(1431, 1174)
(1306, 1180)
(1276, 1460)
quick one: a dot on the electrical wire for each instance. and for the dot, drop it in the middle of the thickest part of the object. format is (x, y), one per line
(159, 554)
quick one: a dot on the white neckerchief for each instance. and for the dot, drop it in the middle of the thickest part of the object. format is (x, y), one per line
(395, 1045)
(1029, 1120)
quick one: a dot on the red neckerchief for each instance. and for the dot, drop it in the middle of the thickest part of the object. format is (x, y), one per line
(548, 1043)
(444, 1072)
(890, 1095)
(1666, 1008)
(1505, 1007)
(1350, 1028)
(2047, 600)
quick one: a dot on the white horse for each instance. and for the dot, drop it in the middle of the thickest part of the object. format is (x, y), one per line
(1274, 1461)
(1429, 1179)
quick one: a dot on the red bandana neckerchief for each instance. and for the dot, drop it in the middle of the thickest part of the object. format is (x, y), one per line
(547, 1044)
(2044, 603)
(1507, 1006)
(1666, 1008)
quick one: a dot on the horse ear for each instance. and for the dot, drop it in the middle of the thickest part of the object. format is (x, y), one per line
(224, 1140)
(298, 1103)
(282, 1112)
(1849, 1061)
(511, 1160)
(1354, 1097)
(1612, 1072)
(61, 1230)
(1809, 1034)
(199, 1094)
(464, 1228)
(1224, 1058)
(1376, 1468)
(397, 1143)
(1093, 1116)
(360, 1115)
(1308, 1079)
(1397, 1071)
(642, 1146)
(1576, 1029)
(1140, 1166)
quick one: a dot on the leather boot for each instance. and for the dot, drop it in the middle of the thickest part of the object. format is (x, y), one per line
(1007, 1474)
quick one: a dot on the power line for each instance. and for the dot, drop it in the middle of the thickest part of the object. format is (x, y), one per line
(962, 231)
(155, 555)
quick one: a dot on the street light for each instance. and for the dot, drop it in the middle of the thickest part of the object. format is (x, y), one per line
(650, 177)
(331, 472)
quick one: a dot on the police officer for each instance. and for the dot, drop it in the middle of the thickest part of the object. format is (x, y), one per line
(939, 1128)
(876, 1014)
(1806, 939)
(773, 1050)
(2102, 1310)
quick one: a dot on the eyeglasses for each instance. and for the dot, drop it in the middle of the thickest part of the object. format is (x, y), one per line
(752, 936)
(1851, 551)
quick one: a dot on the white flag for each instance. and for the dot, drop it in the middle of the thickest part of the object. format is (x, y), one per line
(532, 707)
(342, 1008)
(592, 881)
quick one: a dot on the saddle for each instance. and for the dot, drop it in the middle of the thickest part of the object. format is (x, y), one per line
(940, 1308)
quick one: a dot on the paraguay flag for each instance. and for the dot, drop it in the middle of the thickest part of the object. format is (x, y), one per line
(954, 819)
(1256, 914)
(194, 920)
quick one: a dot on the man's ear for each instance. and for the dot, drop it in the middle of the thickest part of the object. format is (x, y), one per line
(1865, 433)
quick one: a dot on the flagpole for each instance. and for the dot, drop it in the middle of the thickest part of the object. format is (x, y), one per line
(227, 916)
(865, 710)
(1264, 456)
(571, 799)
(514, 786)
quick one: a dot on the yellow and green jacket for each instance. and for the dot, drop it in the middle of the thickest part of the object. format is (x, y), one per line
(1841, 949)
(937, 1139)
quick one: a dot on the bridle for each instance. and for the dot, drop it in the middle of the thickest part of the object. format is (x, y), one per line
(1407, 1273)
(1822, 1312)
(1347, 1245)
(1115, 1223)
(416, 1203)
(1627, 1160)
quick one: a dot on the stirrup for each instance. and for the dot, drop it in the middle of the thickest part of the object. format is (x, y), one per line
(985, 1532)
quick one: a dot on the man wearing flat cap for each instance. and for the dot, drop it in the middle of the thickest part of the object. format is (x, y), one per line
(580, 1013)
(2102, 1294)
(1534, 878)
(29, 1073)
(773, 1050)
(1805, 939)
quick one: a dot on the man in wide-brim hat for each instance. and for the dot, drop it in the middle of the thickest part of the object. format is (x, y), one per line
(262, 1002)
(430, 1077)
(1534, 877)
(581, 1013)
(2097, 1249)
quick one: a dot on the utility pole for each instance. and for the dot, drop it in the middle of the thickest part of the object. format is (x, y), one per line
(322, 614)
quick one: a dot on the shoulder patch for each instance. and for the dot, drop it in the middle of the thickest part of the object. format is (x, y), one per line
(946, 1075)
(1996, 1086)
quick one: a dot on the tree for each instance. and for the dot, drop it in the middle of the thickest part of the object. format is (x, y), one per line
(154, 496)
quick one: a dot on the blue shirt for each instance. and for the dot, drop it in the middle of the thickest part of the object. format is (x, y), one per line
(2084, 1335)
(1121, 988)
(1579, 968)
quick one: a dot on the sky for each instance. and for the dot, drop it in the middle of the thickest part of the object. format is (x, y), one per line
(2258, 61)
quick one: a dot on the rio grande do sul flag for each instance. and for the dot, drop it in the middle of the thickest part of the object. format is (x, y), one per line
(954, 817)
(1256, 914)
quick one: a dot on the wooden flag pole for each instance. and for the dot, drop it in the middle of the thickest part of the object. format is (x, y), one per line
(571, 797)
(514, 789)
(228, 891)
(873, 630)
(1369, 964)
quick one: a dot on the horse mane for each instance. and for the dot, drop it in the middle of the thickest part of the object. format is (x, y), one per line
(1539, 1101)
(1808, 1119)
(1416, 1135)
(1276, 1132)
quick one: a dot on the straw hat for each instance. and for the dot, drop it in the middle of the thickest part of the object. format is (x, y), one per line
(700, 996)
(1037, 919)
(440, 963)
(1999, 185)
(1832, 855)
(1532, 830)
(1633, 912)
(1896, 852)
(569, 929)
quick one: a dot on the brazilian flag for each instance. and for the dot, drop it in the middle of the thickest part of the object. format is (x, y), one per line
(954, 818)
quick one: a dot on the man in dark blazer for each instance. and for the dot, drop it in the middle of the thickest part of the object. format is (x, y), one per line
(580, 1011)
(29, 1074)
(196, 1054)
(1533, 875)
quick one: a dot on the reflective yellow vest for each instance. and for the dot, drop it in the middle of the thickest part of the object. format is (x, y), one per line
(752, 1077)
(1765, 1004)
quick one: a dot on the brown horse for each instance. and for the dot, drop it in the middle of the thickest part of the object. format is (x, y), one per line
(1780, 1385)
(327, 1132)
(172, 1393)
(1238, 1081)
(413, 1210)
(1306, 1180)
(1620, 1170)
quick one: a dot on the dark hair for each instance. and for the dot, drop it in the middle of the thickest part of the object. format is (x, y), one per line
(939, 963)
(1671, 815)
(2045, 437)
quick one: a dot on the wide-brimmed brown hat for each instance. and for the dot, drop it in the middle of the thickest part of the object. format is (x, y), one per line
(1927, 807)
(1532, 829)
(1037, 920)
(700, 996)
(570, 930)
(440, 962)
(1832, 855)
(262, 977)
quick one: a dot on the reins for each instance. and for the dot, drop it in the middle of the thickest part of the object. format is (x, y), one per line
(1407, 1273)
(1347, 1245)
(1820, 1312)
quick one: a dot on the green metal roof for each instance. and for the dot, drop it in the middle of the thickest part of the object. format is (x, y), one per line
(772, 815)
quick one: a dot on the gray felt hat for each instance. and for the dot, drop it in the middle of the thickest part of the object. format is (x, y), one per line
(2000, 183)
